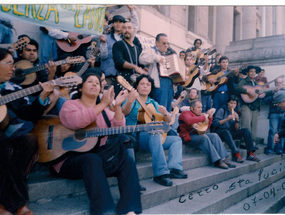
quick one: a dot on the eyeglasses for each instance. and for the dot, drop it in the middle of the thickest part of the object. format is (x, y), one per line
(164, 43)
(8, 63)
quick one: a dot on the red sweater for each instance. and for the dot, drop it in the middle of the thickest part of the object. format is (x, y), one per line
(186, 120)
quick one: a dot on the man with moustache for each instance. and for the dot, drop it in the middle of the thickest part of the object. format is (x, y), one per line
(126, 55)
(151, 58)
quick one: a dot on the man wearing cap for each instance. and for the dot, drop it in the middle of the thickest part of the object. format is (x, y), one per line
(250, 110)
(276, 117)
(279, 100)
(107, 42)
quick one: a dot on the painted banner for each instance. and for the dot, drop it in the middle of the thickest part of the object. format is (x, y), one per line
(88, 19)
(146, 42)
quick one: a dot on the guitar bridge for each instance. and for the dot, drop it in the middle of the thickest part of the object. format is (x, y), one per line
(50, 137)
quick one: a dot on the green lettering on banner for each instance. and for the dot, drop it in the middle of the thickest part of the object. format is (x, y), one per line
(52, 8)
(87, 16)
(98, 17)
(6, 9)
(39, 12)
(16, 12)
(77, 25)
(33, 11)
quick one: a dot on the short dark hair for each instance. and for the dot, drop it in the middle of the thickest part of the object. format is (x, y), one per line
(187, 56)
(4, 53)
(223, 58)
(182, 52)
(233, 98)
(149, 79)
(157, 38)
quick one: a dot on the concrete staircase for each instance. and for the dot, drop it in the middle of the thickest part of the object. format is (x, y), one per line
(207, 189)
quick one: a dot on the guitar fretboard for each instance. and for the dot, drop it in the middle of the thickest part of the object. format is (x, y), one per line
(120, 130)
(42, 67)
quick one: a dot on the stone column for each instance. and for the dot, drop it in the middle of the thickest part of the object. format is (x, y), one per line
(248, 22)
(269, 21)
(224, 27)
(279, 20)
(263, 21)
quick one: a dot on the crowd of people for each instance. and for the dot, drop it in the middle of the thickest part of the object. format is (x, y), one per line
(221, 105)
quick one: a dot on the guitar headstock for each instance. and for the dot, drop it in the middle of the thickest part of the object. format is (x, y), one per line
(94, 52)
(157, 127)
(121, 80)
(75, 60)
(21, 43)
(68, 81)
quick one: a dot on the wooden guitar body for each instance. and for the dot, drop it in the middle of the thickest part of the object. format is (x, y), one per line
(220, 80)
(200, 127)
(64, 92)
(70, 47)
(4, 117)
(173, 115)
(55, 139)
(192, 73)
(144, 118)
(249, 98)
(29, 78)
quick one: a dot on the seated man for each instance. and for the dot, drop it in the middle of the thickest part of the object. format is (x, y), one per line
(279, 100)
(162, 170)
(226, 125)
(209, 143)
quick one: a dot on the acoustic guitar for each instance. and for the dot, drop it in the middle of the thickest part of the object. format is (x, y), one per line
(63, 82)
(221, 78)
(26, 75)
(259, 91)
(175, 109)
(55, 140)
(19, 44)
(202, 127)
(200, 53)
(95, 52)
(70, 46)
(193, 72)
(147, 113)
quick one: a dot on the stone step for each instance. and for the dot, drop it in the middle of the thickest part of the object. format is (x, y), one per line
(42, 185)
(270, 199)
(155, 194)
(224, 189)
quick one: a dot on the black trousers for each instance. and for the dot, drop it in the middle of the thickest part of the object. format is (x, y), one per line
(88, 166)
(17, 157)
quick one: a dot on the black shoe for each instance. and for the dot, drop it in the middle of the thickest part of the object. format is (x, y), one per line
(228, 163)
(221, 164)
(163, 180)
(142, 188)
(175, 173)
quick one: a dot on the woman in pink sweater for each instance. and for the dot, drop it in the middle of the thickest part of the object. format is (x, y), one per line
(79, 113)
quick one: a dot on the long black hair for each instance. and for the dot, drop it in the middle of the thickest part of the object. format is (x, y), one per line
(4, 53)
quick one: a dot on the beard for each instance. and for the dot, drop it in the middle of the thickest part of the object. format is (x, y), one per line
(127, 36)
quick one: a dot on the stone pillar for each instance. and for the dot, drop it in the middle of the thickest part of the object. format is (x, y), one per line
(263, 21)
(248, 22)
(224, 28)
(279, 20)
(269, 21)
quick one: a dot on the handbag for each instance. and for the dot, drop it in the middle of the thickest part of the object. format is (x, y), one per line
(113, 153)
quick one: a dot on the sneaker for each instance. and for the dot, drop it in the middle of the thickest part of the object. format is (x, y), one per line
(268, 152)
(279, 152)
(175, 173)
(221, 164)
(251, 157)
(228, 163)
(237, 158)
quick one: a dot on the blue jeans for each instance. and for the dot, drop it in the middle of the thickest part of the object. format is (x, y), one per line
(229, 137)
(6, 35)
(164, 94)
(206, 102)
(275, 122)
(153, 144)
(219, 100)
(210, 144)
(48, 47)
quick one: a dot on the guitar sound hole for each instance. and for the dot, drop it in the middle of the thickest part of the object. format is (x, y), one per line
(80, 36)
(257, 91)
(79, 134)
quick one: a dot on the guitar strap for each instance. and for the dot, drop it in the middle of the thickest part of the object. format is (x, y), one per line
(136, 53)
(106, 118)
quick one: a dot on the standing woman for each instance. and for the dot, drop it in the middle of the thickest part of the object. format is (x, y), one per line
(79, 113)
(18, 148)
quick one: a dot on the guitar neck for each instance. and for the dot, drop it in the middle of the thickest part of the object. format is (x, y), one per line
(114, 130)
(19, 94)
(139, 99)
(83, 68)
(42, 67)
